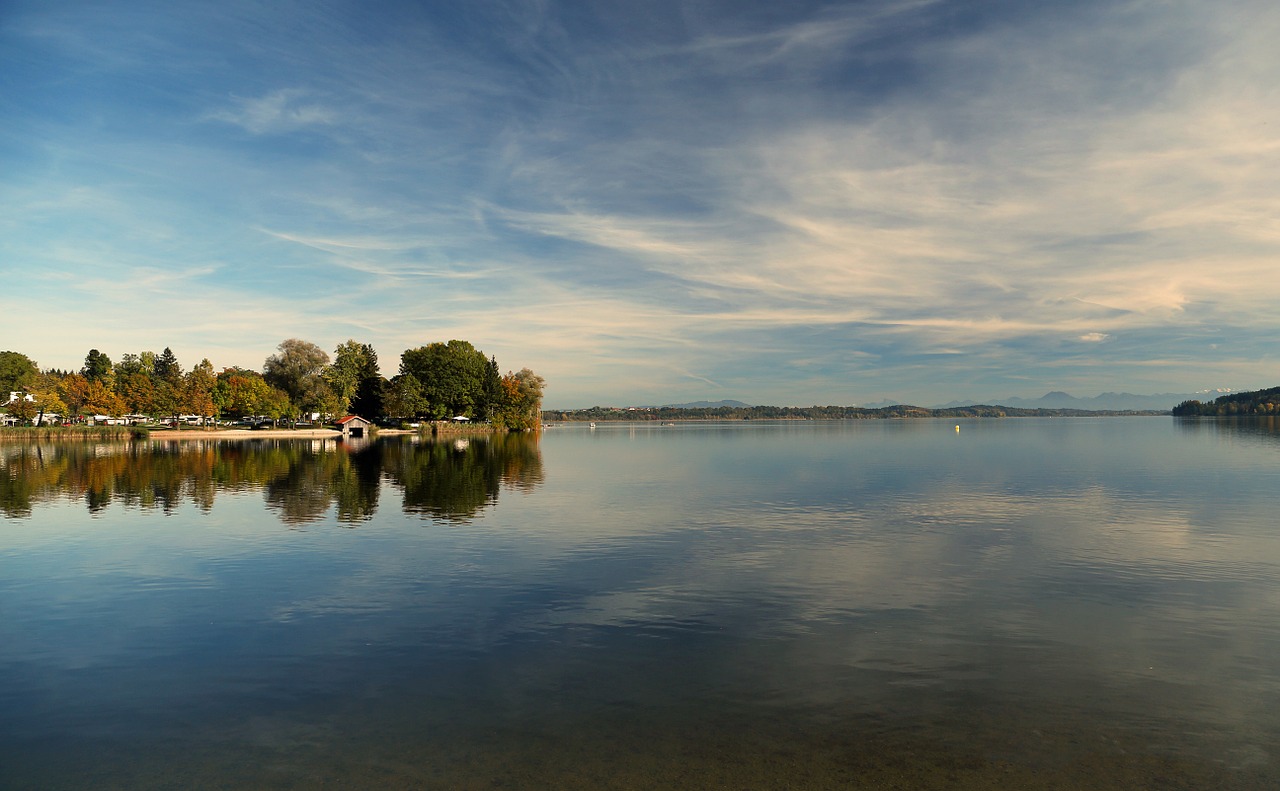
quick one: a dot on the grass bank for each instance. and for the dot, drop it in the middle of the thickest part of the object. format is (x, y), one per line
(99, 433)
(450, 428)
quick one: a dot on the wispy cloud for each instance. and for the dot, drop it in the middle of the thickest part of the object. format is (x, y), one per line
(770, 204)
(284, 110)
(810, 43)
(344, 244)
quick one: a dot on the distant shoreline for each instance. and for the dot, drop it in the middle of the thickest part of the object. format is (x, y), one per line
(899, 412)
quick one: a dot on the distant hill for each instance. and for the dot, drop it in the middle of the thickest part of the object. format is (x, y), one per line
(705, 405)
(1055, 400)
(1109, 402)
(895, 402)
(815, 413)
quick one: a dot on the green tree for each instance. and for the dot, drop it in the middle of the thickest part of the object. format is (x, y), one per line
(1192, 407)
(370, 400)
(326, 402)
(354, 364)
(166, 368)
(16, 372)
(48, 400)
(404, 397)
(453, 378)
(101, 400)
(166, 398)
(275, 404)
(493, 392)
(197, 390)
(297, 369)
(520, 408)
(73, 391)
(367, 401)
(97, 366)
(138, 391)
(23, 410)
(239, 392)
(130, 364)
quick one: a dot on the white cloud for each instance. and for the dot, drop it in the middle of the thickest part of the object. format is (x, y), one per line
(624, 235)
(284, 110)
(1099, 175)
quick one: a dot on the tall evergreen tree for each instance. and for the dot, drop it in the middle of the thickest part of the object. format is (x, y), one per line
(166, 367)
(97, 366)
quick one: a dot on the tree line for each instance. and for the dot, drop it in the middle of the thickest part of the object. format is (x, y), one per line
(599, 413)
(1253, 402)
(435, 382)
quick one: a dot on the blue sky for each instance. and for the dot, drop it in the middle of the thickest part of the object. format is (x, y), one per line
(782, 203)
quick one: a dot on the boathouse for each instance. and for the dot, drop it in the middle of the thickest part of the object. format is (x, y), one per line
(354, 426)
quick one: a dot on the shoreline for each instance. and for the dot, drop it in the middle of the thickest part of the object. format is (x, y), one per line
(172, 435)
(125, 434)
(281, 433)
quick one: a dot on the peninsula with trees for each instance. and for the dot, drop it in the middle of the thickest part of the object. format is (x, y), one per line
(1254, 402)
(450, 380)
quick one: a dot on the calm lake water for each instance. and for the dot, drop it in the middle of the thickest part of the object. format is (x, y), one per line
(1022, 603)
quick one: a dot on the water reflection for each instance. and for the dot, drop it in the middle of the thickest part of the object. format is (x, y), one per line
(301, 481)
(454, 480)
(1260, 429)
(1022, 604)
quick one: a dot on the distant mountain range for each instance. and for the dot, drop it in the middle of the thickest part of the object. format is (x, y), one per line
(1106, 401)
(689, 405)
(1110, 402)
(707, 404)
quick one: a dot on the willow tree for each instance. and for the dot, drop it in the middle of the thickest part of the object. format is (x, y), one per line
(298, 370)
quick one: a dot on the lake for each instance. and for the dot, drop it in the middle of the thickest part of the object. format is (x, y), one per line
(1016, 603)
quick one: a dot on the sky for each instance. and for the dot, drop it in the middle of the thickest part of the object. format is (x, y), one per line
(656, 202)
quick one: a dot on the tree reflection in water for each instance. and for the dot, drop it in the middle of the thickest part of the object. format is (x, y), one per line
(301, 480)
(455, 480)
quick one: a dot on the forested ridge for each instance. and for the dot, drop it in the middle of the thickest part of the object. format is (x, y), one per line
(438, 381)
(1253, 402)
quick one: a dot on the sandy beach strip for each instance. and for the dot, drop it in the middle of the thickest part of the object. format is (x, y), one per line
(244, 433)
